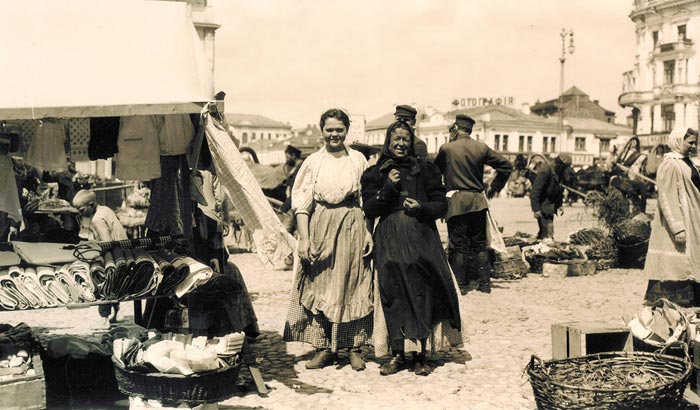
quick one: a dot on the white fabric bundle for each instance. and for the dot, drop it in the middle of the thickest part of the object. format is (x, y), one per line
(47, 279)
(199, 274)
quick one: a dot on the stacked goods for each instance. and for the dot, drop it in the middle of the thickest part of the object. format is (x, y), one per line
(538, 254)
(599, 246)
(177, 368)
(21, 372)
(136, 207)
(519, 239)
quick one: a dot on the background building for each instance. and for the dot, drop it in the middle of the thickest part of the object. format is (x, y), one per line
(662, 87)
(575, 103)
(252, 127)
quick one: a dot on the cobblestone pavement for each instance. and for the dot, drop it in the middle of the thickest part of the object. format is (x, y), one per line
(505, 329)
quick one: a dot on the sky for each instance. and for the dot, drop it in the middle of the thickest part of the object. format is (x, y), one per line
(290, 60)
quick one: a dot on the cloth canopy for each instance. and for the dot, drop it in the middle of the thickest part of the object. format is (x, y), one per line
(85, 58)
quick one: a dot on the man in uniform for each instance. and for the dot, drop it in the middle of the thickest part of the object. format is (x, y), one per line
(408, 114)
(462, 163)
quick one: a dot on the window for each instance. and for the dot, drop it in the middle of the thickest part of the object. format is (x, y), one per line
(669, 70)
(553, 144)
(521, 143)
(277, 136)
(497, 142)
(681, 32)
(244, 138)
(529, 143)
(655, 37)
(545, 141)
(269, 135)
(580, 143)
(668, 116)
(253, 137)
(604, 146)
(505, 143)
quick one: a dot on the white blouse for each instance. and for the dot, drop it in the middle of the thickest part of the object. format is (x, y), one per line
(326, 178)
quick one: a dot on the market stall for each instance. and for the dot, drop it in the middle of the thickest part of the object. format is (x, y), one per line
(128, 81)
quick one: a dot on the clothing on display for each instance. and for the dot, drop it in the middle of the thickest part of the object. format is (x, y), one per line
(175, 134)
(9, 200)
(104, 133)
(47, 151)
(170, 212)
(139, 150)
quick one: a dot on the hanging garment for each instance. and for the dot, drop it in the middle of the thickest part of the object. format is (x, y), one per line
(79, 137)
(170, 212)
(9, 200)
(175, 134)
(47, 152)
(104, 133)
(139, 149)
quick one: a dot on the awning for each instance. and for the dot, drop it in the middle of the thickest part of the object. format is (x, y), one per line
(85, 58)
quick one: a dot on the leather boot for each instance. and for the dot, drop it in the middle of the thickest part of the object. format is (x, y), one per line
(356, 362)
(396, 364)
(322, 359)
(482, 262)
(459, 263)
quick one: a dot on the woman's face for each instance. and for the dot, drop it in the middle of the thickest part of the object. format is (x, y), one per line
(399, 143)
(334, 133)
(690, 143)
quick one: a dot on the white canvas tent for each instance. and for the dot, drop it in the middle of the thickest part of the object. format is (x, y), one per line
(85, 58)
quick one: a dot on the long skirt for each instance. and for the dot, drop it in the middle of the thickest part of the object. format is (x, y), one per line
(331, 301)
(416, 296)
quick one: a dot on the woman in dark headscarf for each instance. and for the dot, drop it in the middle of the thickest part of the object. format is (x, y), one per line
(415, 285)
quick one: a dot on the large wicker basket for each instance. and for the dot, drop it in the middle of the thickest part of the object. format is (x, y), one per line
(206, 387)
(557, 384)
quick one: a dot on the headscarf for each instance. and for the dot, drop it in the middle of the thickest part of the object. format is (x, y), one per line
(387, 160)
(675, 142)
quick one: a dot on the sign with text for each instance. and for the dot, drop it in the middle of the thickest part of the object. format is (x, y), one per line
(482, 101)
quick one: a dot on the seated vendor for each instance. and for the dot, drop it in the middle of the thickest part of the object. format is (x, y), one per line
(103, 226)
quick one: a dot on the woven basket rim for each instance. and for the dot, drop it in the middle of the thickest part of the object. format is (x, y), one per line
(175, 375)
(686, 373)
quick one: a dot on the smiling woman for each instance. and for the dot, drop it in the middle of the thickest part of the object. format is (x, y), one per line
(331, 302)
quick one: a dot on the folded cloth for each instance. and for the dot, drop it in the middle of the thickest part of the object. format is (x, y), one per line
(64, 277)
(145, 274)
(43, 253)
(171, 277)
(199, 274)
(98, 277)
(80, 273)
(11, 292)
(110, 272)
(16, 274)
(30, 280)
(47, 279)
(8, 301)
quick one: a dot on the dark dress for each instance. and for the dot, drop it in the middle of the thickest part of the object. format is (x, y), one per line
(414, 279)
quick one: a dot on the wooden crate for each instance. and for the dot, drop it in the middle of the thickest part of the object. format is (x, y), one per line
(25, 393)
(574, 339)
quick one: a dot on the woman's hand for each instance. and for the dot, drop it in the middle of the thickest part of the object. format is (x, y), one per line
(680, 239)
(368, 244)
(394, 176)
(303, 249)
(412, 205)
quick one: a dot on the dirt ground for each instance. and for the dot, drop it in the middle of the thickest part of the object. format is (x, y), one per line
(505, 329)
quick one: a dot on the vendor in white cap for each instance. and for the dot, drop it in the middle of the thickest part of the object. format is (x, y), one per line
(547, 194)
(101, 221)
(104, 226)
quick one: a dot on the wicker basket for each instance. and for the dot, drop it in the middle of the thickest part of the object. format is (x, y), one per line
(514, 268)
(633, 390)
(206, 387)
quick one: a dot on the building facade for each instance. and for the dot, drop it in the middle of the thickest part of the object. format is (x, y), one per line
(252, 127)
(662, 86)
(512, 132)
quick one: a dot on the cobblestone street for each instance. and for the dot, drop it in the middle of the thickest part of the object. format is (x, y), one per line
(505, 329)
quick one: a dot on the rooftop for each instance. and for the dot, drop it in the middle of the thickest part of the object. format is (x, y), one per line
(254, 120)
